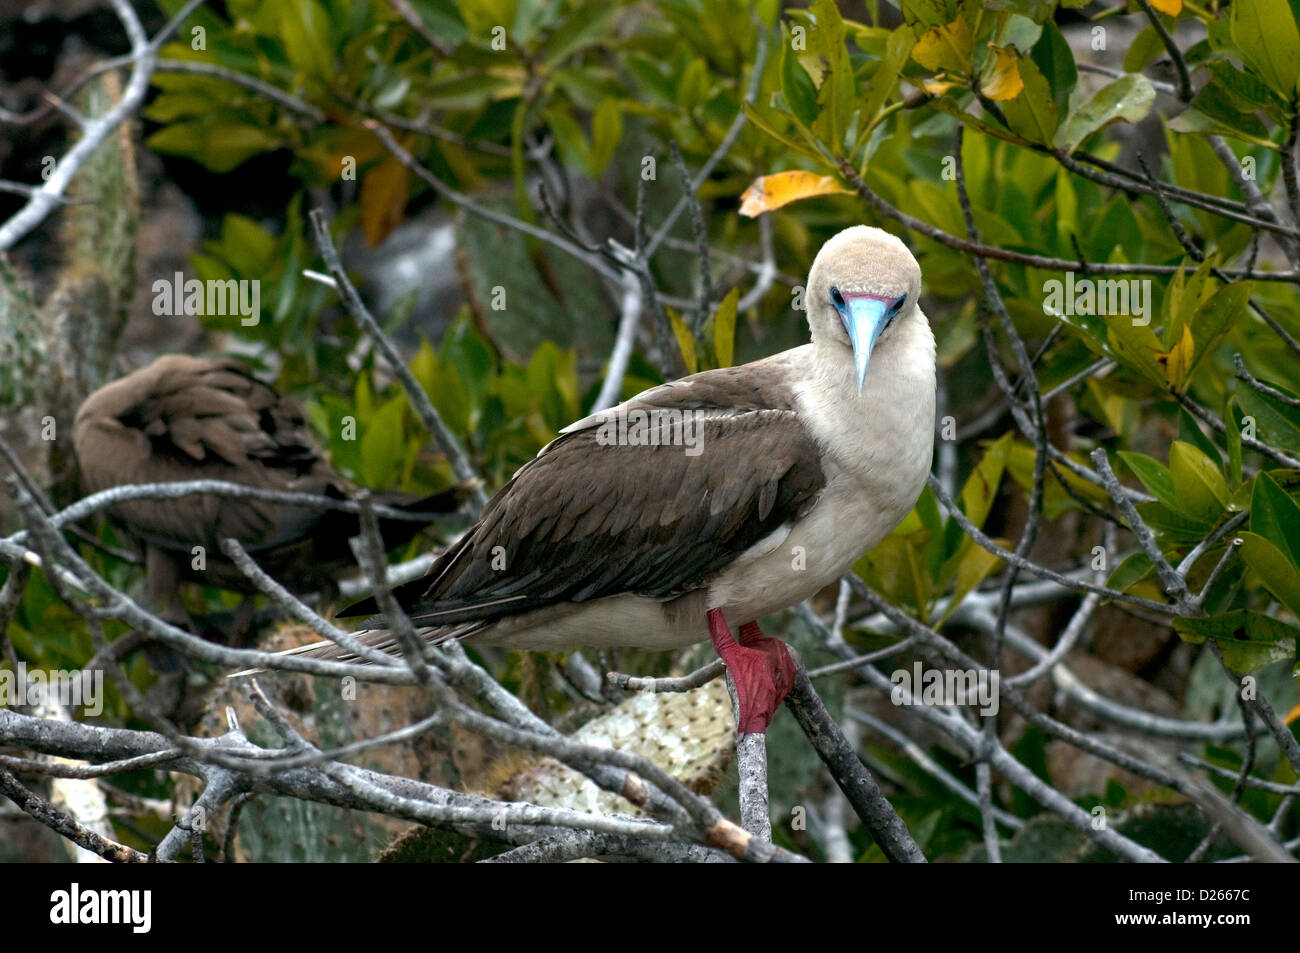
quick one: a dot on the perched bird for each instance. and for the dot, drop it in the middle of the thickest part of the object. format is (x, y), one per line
(189, 418)
(628, 530)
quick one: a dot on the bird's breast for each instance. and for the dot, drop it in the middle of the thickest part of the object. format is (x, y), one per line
(876, 448)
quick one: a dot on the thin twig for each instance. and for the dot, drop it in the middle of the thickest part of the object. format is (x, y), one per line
(415, 393)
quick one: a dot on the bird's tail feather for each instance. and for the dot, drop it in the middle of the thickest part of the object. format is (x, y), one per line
(381, 639)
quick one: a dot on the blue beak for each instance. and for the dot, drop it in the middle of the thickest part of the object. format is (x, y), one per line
(864, 319)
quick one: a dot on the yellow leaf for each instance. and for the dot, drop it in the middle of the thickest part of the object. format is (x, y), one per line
(1292, 715)
(975, 565)
(1171, 7)
(685, 340)
(1003, 80)
(940, 84)
(945, 47)
(770, 192)
(1177, 362)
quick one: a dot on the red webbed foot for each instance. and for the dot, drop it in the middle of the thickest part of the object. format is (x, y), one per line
(760, 667)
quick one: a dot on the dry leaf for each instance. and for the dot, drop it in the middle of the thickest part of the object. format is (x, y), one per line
(938, 85)
(1004, 81)
(1178, 362)
(945, 47)
(770, 192)
(385, 190)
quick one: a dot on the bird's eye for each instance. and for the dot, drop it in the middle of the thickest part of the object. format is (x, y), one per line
(897, 306)
(837, 298)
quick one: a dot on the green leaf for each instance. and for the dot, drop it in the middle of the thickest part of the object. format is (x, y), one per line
(1278, 574)
(1249, 640)
(1200, 488)
(1129, 98)
(1179, 526)
(1265, 33)
(836, 97)
(1018, 31)
(885, 80)
(1196, 122)
(307, 35)
(424, 366)
(1226, 110)
(443, 18)
(1153, 474)
(606, 131)
(465, 350)
(973, 566)
(895, 566)
(1247, 91)
(1276, 517)
(765, 124)
(1215, 318)
(1136, 347)
(1232, 438)
(1067, 207)
(982, 485)
(1033, 113)
(382, 443)
(692, 84)
(1052, 55)
(1142, 50)
(928, 12)
(1275, 423)
(588, 26)
(1190, 432)
(724, 328)
(798, 88)
(1135, 568)
(569, 140)
(219, 146)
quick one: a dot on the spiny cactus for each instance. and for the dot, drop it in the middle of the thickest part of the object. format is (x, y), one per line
(22, 341)
(691, 735)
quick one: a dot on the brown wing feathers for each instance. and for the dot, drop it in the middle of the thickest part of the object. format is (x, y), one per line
(585, 520)
(187, 418)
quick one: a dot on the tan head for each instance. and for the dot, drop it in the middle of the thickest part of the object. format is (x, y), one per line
(863, 284)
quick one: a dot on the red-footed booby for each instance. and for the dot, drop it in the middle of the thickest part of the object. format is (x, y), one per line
(188, 418)
(721, 497)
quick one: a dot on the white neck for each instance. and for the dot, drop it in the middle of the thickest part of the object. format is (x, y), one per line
(887, 429)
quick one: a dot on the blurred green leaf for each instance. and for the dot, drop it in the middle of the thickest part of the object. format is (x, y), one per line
(1128, 99)
(685, 340)
(797, 86)
(219, 146)
(724, 328)
(1052, 55)
(382, 444)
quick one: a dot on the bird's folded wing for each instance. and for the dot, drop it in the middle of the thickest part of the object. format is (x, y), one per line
(188, 419)
(602, 512)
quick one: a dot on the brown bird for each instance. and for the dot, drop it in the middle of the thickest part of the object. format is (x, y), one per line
(189, 418)
(709, 501)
